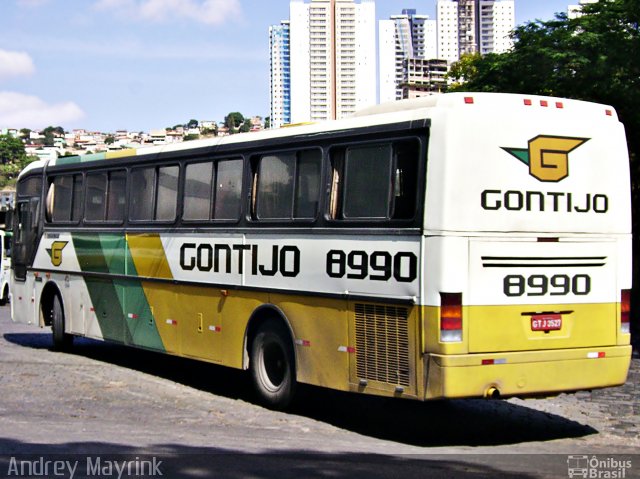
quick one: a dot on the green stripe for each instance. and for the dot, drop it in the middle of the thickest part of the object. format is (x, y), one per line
(114, 300)
(72, 160)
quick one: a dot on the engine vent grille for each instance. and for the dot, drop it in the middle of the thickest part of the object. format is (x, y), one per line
(382, 344)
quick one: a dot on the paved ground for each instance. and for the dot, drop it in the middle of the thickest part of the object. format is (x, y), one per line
(201, 421)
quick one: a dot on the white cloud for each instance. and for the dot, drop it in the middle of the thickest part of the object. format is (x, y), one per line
(26, 111)
(210, 12)
(14, 64)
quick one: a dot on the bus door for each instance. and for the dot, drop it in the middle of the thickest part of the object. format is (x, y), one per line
(26, 235)
(25, 241)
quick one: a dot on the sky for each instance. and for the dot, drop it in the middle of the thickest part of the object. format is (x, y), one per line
(138, 65)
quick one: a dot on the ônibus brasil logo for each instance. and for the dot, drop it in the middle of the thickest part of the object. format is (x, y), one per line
(547, 156)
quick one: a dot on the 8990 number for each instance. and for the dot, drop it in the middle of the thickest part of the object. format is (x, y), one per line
(540, 285)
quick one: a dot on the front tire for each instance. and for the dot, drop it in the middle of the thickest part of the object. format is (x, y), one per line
(5, 296)
(272, 365)
(61, 340)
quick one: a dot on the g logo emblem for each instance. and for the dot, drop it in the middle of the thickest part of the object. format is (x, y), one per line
(547, 156)
(55, 253)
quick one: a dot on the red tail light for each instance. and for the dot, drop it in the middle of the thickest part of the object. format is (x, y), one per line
(450, 317)
(625, 311)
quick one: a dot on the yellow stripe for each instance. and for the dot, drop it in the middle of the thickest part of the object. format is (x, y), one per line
(150, 261)
(120, 153)
(148, 256)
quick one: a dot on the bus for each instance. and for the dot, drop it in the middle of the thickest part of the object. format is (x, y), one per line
(453, 246)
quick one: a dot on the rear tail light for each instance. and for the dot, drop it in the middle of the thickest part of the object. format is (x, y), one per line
(625, 311)
(450, 317)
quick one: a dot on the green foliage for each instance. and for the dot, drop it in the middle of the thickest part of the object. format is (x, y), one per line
(246, 126)
(191, 137)
(233, 121)
(463, 69)
(109, 140)
(12, 159)
(11, 150)
(50, 133)
(192, 124)
(209, 131)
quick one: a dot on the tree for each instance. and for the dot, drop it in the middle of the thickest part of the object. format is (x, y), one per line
(233, 121)
(11, 150)
(246, 126)
(50, 132)
(192, 124)
(109, 140)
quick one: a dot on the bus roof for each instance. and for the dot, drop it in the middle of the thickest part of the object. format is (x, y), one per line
(386, 113)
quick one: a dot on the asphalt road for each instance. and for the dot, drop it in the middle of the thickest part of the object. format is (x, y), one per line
(104, 406)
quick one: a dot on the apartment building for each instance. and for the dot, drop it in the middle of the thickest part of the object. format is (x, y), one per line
(474, 26)
(280, 78)
(332, 59)
(402, 37)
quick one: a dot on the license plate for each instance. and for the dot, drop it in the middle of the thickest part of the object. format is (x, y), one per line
(546, 322)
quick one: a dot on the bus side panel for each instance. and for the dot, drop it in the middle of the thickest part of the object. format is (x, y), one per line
(321, 337)
(23, 306)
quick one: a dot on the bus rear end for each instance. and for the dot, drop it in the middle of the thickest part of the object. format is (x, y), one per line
(527, 278)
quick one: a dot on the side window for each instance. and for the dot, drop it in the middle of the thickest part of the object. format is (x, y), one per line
(96, 192)
(167, 198)
(228, 190)
(31, 186)
(64, 199)
(367, 182)
(105, 199)
(198, 191)
(154, 193)
(213, 190)
(287, 185)
(142, 194)
(116, 195)
(376, 182)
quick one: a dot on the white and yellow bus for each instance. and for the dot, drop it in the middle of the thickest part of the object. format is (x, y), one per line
(461, 245)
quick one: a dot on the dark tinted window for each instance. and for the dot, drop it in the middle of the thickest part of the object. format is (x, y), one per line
(213, 190)
(31, 186)
(287, 185)
(375, 181)
(154, 193)
(105, 196)
(64, 199)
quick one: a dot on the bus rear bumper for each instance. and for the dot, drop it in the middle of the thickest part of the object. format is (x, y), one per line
(526, 374)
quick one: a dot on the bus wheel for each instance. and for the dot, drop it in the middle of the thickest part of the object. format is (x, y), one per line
(272, 365)
(61, 340)
(5, 296)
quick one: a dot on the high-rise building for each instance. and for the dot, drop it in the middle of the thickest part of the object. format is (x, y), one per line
(470, 26)
(280, 78)
(405, 36)
(332, 58)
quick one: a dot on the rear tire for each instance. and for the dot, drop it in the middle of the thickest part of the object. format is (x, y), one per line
(61, 340)
(272, 365)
